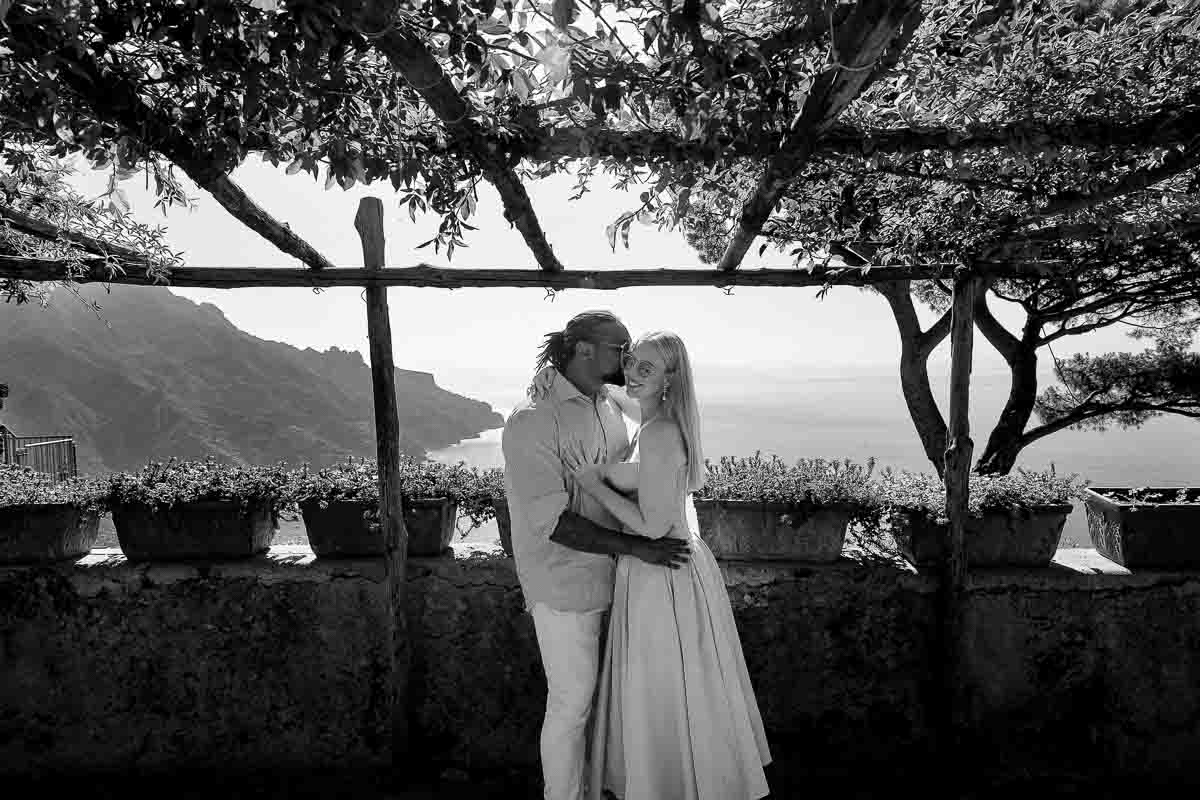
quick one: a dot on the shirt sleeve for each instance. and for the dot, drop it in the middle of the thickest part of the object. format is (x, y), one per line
(535, 472)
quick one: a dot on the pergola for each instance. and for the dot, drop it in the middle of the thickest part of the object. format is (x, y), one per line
(375, 278)
(865, 38)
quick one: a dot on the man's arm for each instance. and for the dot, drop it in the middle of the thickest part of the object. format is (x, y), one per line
(580, 533)
(538, 476)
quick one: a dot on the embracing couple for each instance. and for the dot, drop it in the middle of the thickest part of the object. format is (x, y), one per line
(600, 523)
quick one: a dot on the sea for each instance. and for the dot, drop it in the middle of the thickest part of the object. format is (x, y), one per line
(832, 413)
(850, 413)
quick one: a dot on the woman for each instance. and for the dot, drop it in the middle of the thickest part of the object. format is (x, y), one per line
(675, 714)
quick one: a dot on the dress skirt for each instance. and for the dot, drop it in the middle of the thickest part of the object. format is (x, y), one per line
(675, 715)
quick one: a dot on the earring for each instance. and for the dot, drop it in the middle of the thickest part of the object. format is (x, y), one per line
(664, 392)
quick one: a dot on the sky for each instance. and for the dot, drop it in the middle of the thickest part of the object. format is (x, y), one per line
(475, 340)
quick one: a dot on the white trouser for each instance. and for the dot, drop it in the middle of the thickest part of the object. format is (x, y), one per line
(570, 646)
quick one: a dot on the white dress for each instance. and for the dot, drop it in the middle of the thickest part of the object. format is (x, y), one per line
(675, 716)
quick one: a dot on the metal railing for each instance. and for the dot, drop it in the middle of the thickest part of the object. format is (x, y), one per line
(54, 455)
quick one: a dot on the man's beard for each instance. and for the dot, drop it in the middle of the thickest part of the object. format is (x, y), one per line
(615, 378)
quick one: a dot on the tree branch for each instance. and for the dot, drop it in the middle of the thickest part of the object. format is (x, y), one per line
(412, 59)
(115, 100)
(1006, 344)
(53, 233)
(1175, 162)
(1077, 416)
(873, 27)
(1166, 127)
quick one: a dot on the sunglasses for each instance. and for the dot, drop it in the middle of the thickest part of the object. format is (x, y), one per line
(643, 369)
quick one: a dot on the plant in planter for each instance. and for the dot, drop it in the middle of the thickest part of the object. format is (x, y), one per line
(1014, 520)
(1146, 527)
(492, 487)
(340, 506)
(181, 510)
(765, 508)
(42, 520)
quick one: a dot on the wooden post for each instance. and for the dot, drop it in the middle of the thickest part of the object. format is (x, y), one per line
(958, 454)
(369, 224)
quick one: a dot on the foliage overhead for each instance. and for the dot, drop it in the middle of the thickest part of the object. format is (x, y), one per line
(1055, 133)
(1019, 116)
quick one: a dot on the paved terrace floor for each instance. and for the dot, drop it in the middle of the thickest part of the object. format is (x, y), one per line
(457, 785)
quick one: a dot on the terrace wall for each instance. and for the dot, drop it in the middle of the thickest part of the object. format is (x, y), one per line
(285, 661)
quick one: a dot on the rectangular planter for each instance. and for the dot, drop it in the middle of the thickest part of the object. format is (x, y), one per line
(748, 530)
(997, 539)
(503, 525)
(211, 529)
(343, 528)
(430, 524)
(350, 528)
(1145, 535)
(41, 533)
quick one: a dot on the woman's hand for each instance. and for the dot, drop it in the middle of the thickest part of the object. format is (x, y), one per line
(590, 477)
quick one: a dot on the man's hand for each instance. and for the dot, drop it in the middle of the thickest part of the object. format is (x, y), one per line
(589, 477)
(665, 552)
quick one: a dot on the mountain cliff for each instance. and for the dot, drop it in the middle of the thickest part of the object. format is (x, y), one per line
(155, 375)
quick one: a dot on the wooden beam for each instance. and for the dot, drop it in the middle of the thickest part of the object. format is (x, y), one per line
(424, 275)
(959, 448)
(369, 224)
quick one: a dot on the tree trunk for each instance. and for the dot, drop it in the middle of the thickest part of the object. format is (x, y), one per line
(1006, 439)
(922, 407)
(915, 348)
(1004, 443)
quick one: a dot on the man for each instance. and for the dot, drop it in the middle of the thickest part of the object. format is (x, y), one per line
(564, 540)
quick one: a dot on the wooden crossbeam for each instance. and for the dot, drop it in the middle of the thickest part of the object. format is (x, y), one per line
(424, 275)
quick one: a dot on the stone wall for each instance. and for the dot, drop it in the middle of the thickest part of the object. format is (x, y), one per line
(286, 661)
(279, 661)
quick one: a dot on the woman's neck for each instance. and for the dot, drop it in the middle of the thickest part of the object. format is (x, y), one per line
(651, 407)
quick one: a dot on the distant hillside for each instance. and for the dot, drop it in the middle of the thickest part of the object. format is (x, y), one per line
(161, 376)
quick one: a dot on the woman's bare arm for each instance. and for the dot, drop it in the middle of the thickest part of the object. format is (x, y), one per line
(653, 514)
(623, 475)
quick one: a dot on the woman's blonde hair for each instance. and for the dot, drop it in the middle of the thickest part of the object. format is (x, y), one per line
(680, 401)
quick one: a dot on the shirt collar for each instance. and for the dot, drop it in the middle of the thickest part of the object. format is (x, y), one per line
(564, 390)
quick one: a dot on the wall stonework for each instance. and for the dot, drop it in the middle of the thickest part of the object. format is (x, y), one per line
(280, 661)
(1086, 667)
(284, 661)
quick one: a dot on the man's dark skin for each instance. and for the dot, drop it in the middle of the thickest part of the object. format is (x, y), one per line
(593, 364)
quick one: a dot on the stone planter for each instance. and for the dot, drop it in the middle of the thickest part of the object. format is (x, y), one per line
(350, 528)
(756, 531)
(40, 533)
(430, 524)
(1145, 535)
(504, 525)
(1027, 538)
(210, 529)
(343, 529)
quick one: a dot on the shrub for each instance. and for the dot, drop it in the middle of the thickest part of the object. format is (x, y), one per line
(808, 481)
(1144, 495)
(923, 492)
(162, 485)
(358, 480)
(23, 486)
